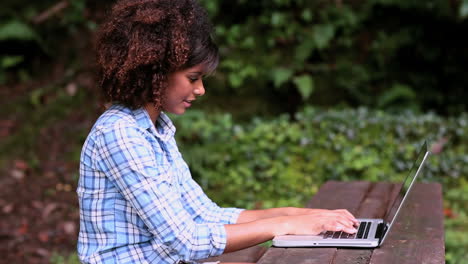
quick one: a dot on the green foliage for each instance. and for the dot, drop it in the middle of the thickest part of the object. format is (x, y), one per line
(317, 146)
(57, 258)
(24, 39)
(17, 30)
(464, 9)
(305, 85)
(283, 162)
(456, 238)
(14, 30)
(377, 53)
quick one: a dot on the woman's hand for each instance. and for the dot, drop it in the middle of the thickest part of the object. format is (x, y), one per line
(315, 221)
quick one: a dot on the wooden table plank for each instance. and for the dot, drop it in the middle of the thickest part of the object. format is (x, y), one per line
(248, 255)
(297, 256)
(348, 195)
(418, 236)
(376, 201)
(355, 256)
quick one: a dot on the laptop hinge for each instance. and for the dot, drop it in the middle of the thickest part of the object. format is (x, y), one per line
(381, 230)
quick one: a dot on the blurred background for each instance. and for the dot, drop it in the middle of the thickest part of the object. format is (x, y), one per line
(307, 91)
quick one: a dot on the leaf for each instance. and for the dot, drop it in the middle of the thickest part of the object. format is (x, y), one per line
(307, 15)
(69, 227)
(398, 92)
(16, 30)
(277, 19)
(10, 61)
(305, 84)
(71, 89)
(35, 97)
(8, 208)
(281, 75)
(464, 9)
(304, 49)
(322, 35)
(235, 79)
(23, 229)
(43, 236)
(48, 209)
(21, 165)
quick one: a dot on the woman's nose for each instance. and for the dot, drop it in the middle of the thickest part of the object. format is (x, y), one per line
(199, 89)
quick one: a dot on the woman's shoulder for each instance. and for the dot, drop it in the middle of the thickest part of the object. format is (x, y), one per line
(114, 118)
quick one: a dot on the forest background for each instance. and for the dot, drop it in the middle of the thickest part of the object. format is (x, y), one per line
(307, 91)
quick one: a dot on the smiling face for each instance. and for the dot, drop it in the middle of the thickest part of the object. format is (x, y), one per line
(183, 88)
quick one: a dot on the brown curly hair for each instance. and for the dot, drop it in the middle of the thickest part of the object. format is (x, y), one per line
(143, 41)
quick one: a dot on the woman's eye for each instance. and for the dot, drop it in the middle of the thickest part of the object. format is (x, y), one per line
(193, 79)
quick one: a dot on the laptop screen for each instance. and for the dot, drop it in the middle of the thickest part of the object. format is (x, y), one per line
(406, 185)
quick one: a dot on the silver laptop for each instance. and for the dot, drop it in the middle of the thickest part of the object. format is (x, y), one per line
(371, 232)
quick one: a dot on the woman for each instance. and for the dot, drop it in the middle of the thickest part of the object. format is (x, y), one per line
(138, 202)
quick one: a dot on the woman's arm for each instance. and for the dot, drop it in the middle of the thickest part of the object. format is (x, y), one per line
(257, 226)
(252, 215)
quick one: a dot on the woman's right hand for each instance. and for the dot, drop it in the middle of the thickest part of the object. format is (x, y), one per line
(319, 221)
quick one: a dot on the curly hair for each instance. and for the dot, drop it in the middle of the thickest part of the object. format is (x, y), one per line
(143, 41)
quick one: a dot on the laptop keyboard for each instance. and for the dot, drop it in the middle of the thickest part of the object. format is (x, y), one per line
(362, 233)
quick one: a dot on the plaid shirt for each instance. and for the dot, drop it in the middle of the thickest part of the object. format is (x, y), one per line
(138, 201)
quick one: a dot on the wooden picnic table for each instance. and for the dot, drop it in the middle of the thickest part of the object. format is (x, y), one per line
(416, 237)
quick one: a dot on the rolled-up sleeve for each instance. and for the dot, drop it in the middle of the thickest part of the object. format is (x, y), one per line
(145, 179)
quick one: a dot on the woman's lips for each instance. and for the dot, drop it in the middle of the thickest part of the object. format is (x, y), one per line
(187, 103)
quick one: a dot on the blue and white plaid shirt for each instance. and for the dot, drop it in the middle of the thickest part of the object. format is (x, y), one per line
(138, 201)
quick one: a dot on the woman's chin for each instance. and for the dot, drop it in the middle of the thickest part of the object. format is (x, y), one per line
(177, 111)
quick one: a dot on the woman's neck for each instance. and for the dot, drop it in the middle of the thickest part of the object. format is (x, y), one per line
(153, 112)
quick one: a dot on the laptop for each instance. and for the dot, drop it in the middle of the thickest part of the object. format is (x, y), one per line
(371, 232)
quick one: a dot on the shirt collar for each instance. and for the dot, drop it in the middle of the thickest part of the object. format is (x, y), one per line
(164, 128)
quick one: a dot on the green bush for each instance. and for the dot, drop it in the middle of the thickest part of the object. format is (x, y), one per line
(296, 157)
(376, 53)
(283, 162)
